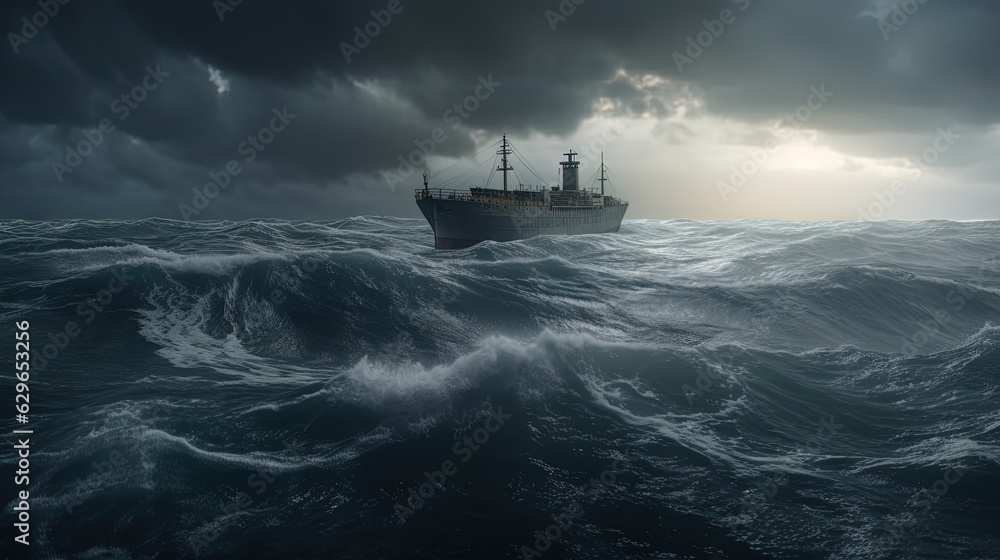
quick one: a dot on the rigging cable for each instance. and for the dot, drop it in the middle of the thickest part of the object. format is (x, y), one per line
(592, 179)
(464, 176)
(461, 161)
(493, 171)
(610, 183)
(527, 164)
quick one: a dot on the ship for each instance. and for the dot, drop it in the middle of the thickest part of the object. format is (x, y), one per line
(463, 218)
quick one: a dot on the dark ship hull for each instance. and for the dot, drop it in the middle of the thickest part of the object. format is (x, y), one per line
(459, 220)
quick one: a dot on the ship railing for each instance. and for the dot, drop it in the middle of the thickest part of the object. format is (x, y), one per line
(442, 194)
(480, 195)
(508, 198)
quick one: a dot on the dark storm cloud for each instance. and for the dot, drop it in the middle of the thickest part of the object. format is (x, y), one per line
(353, 119)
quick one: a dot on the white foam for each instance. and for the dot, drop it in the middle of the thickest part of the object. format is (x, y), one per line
(90, 259)
(177, 324)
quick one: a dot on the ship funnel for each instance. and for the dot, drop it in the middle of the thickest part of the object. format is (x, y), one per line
(570, 172)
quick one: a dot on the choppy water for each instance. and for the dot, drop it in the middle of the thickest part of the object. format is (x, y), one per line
(269, 389)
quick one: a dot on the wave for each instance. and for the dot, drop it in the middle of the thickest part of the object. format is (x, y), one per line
(772, 381)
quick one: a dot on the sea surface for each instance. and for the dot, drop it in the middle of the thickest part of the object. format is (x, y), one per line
(681, 389)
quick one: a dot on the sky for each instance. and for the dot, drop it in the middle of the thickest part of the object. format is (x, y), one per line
(307, 110)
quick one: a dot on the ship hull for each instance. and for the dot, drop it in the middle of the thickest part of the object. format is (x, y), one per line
(458, 224)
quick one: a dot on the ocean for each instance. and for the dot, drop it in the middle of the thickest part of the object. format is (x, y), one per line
(679, 390)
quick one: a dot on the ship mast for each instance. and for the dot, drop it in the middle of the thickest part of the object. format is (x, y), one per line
(603, 178)
(505, 167)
